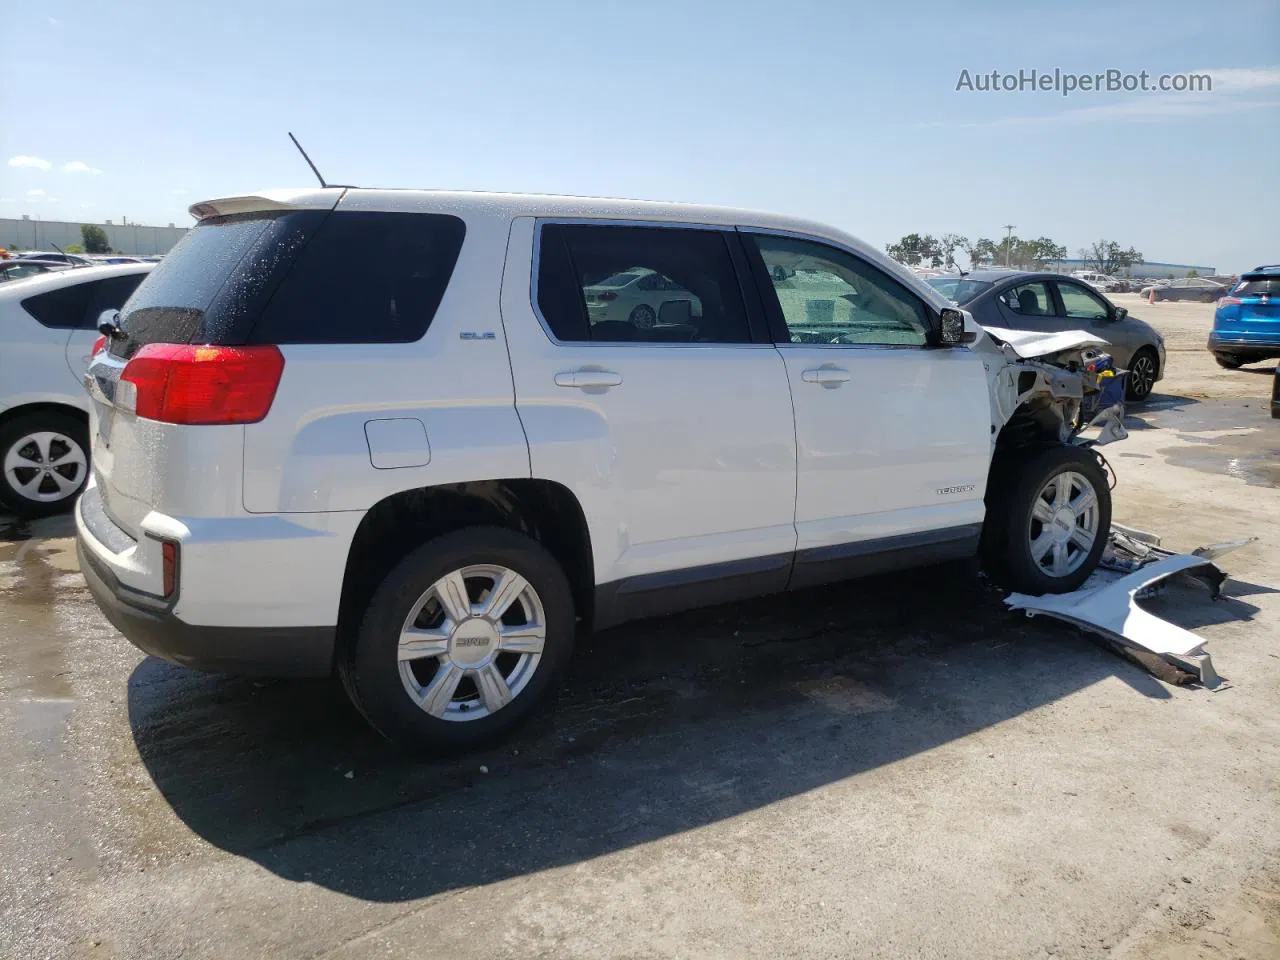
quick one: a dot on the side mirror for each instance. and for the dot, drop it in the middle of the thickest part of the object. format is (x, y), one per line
(109, 324)
(952, 331)
(1120, 313)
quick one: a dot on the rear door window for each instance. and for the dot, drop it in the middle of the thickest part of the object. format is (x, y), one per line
(626, 284)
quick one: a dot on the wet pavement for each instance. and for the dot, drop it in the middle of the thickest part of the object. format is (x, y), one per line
(898, 766)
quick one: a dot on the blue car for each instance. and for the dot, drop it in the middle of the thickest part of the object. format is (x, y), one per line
(1246, 325)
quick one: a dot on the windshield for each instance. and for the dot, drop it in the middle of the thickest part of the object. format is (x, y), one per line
(958, 289)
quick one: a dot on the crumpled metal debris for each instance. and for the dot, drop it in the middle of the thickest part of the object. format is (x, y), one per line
(1129, 549)
(1111, 611)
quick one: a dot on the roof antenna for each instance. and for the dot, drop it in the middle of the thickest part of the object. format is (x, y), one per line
(308, 159)
(70, 261)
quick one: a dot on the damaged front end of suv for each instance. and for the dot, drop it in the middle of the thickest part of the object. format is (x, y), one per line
(1055, 398)
(1055, 387)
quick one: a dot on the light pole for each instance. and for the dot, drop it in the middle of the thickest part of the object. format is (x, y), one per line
(1008, 242)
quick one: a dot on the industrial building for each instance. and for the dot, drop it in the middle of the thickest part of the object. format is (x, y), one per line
(137, 239)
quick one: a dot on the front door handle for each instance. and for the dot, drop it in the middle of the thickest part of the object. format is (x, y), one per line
(588, 378)
(826, 375)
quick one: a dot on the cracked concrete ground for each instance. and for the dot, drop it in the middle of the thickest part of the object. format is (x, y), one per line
(897, 767)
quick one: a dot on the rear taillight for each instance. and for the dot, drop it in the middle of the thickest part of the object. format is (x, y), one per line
(169, 553)
(181, 383)
(97, 346)
(608, 296)
(1226, 301)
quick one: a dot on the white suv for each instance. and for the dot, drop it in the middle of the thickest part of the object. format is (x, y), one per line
(385, 431)
(48, 325)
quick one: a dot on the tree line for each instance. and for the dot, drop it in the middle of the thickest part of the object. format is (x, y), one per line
(916, 250)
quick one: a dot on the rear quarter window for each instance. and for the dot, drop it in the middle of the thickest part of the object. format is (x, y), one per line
(365, 278)
(306, 276)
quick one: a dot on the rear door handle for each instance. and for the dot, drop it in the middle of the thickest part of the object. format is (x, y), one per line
(825, 375)
(588, 378)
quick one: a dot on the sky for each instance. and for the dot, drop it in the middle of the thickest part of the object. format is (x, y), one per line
(839, 111)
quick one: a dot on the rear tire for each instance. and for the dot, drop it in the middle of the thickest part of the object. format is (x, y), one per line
(643, 317)
(44, 462)
(1228, 362)
(1037, 500)
(493, 689)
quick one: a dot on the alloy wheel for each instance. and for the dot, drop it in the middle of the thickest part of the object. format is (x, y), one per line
(472, 642)
(1064, 523)
(1142, 376)
(45, 466)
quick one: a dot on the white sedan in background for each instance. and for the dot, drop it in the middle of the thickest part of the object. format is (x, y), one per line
(48, 327)
(637, 296)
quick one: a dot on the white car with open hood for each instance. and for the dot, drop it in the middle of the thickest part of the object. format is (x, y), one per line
(429, 467)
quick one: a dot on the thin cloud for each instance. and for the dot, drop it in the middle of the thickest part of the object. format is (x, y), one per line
(55, 22)
(1243, 78)
(22, 160)
(79, 166)
(37, 192)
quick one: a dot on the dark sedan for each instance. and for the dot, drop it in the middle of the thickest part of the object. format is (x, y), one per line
(1049, 303)
(1192, 288)
(17, 269)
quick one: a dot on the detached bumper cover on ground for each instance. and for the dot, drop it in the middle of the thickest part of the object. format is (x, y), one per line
(1111, 610)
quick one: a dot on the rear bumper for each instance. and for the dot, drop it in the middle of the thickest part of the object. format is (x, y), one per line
(1259, 342)
(153, 628)
(255, 595)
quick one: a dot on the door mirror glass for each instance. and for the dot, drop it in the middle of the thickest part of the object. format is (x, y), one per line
(952, 331)
(1120, 314)
(107, 322)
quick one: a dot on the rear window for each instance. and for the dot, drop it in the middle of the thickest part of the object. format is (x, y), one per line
(213, 284)
(305, 276)
(77, 307)
(957, 289)
(1265, 286)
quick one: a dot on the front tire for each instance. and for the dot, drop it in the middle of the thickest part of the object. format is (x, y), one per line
(462, 641)
(1048, 519)
(1228, 362)
(44, 462)
(1144, 367)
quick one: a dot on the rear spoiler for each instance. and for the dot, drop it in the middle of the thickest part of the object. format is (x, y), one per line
(269, 200)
